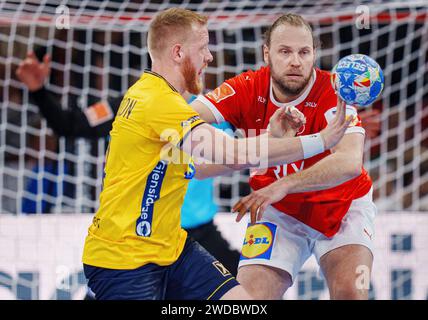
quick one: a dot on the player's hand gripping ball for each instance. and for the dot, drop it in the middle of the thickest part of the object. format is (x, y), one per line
(357, 79)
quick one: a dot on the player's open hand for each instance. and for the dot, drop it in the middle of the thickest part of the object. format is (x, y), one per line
(335, 130)
(286, 122)
(257, 201)
(32, 72)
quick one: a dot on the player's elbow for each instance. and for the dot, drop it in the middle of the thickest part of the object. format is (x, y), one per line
(354, 169)
(355, 173)
(349, 165)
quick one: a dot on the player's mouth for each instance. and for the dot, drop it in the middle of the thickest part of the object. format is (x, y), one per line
(202, 70)
(294, 75)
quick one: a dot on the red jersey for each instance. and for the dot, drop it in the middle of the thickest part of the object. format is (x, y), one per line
(247, 102)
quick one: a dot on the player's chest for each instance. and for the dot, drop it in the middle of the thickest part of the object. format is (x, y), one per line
(259, 116)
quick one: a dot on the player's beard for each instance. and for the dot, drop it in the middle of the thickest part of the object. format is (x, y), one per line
(192, 81)
(290, 88)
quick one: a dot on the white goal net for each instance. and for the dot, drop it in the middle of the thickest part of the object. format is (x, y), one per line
(98, 50)
(101, 49)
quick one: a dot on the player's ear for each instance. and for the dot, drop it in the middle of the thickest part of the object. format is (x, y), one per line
(266, 53)
(177, 52)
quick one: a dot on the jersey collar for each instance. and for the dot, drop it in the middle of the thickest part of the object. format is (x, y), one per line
(297, 101)
(159, 76)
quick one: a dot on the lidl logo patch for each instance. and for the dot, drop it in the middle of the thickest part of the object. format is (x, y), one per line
(258, 241)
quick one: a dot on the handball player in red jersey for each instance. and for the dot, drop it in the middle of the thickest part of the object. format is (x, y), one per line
(321, 205)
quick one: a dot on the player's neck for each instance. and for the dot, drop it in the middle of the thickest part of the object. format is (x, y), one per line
(281, 97)
(173, 77)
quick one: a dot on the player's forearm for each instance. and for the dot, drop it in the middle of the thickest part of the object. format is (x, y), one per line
(205, 171)
(260, 151)
(284, 150)
(329, 172)
(267, 151)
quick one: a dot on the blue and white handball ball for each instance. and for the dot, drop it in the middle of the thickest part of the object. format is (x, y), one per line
(357, 79)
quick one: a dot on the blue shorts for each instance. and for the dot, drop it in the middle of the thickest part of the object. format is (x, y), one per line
(196, 275)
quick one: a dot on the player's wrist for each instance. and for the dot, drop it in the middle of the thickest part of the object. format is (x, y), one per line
(287, 184)
(312, 145)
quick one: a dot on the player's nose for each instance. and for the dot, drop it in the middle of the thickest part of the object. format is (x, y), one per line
(209, 58)
(295, 60)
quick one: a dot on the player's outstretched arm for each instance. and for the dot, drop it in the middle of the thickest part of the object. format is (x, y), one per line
(215, 146)
(343, 164)
(287, 150)
(285, 122)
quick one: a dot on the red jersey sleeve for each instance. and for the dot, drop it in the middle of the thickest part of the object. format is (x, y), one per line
(232, 99)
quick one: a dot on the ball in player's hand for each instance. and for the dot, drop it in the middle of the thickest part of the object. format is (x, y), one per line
(357, 79)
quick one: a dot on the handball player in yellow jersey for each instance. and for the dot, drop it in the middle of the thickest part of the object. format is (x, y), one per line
(135, 247)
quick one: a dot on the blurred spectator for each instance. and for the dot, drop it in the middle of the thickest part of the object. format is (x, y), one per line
(49, 187)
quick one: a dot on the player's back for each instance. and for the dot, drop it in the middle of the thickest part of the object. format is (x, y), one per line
(138, 220)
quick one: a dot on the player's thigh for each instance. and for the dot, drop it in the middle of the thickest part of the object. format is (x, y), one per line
(273, 253)
(237, 293)
(347, 270)
(346, 258)
(197, 275)
(264, 282)
(145, 283)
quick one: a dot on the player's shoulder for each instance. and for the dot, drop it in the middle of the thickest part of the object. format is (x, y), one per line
(167, 101)
(250, 77)
(152, 90)
(255, 75)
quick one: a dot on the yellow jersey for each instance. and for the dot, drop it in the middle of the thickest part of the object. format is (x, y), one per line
(146, 177)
